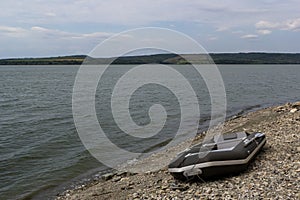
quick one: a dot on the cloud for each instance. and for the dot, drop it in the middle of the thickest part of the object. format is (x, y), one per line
(41, 41)
(293, 24)
(264, 27)
(249, 36)
(50, 14)
(264, 32)
(40, 29)
(58, 34)
(10, 31)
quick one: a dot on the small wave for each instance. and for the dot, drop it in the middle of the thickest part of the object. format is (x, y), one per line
(238, 112)
(157, 146)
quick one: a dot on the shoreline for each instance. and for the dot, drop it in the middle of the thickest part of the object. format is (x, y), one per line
(93, 175)
(169, 58)
(277, 166)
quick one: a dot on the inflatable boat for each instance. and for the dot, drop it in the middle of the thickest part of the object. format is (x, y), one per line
(221, 155)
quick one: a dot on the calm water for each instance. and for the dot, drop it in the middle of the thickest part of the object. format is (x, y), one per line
(39, 145)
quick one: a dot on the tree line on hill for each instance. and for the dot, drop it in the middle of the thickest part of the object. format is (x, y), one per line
(217, 58)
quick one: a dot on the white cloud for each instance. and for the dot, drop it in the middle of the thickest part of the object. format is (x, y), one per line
(39, 29)
(97, 35)
(57, 34)
(264, 32)
(40, 41)
(10, 31)
(266, 25)
(293, 24)
(50, 14)
(249, 36)
(290, 25)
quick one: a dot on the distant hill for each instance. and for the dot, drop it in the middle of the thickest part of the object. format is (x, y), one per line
(63, 60)
(218, 58)
(256, 58)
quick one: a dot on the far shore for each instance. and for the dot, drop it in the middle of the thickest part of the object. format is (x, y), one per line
(174, 59)
(274, 174)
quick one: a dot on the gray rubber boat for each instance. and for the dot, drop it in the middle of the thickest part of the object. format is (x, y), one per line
(222, 155)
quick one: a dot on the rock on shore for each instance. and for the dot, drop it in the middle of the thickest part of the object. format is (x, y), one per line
(273, 175)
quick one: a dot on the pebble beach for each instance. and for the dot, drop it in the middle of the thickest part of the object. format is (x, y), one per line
(274, 174)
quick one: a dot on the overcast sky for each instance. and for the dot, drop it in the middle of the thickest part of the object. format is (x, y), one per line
(35, 28)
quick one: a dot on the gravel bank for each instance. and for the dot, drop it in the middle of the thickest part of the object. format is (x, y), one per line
(273, 175)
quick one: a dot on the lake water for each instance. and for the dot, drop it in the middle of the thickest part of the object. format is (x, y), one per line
(40, 149)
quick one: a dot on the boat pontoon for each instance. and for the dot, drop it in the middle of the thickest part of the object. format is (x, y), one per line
(222, 155)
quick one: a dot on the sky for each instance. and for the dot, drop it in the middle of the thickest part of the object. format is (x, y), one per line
(40, 28)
